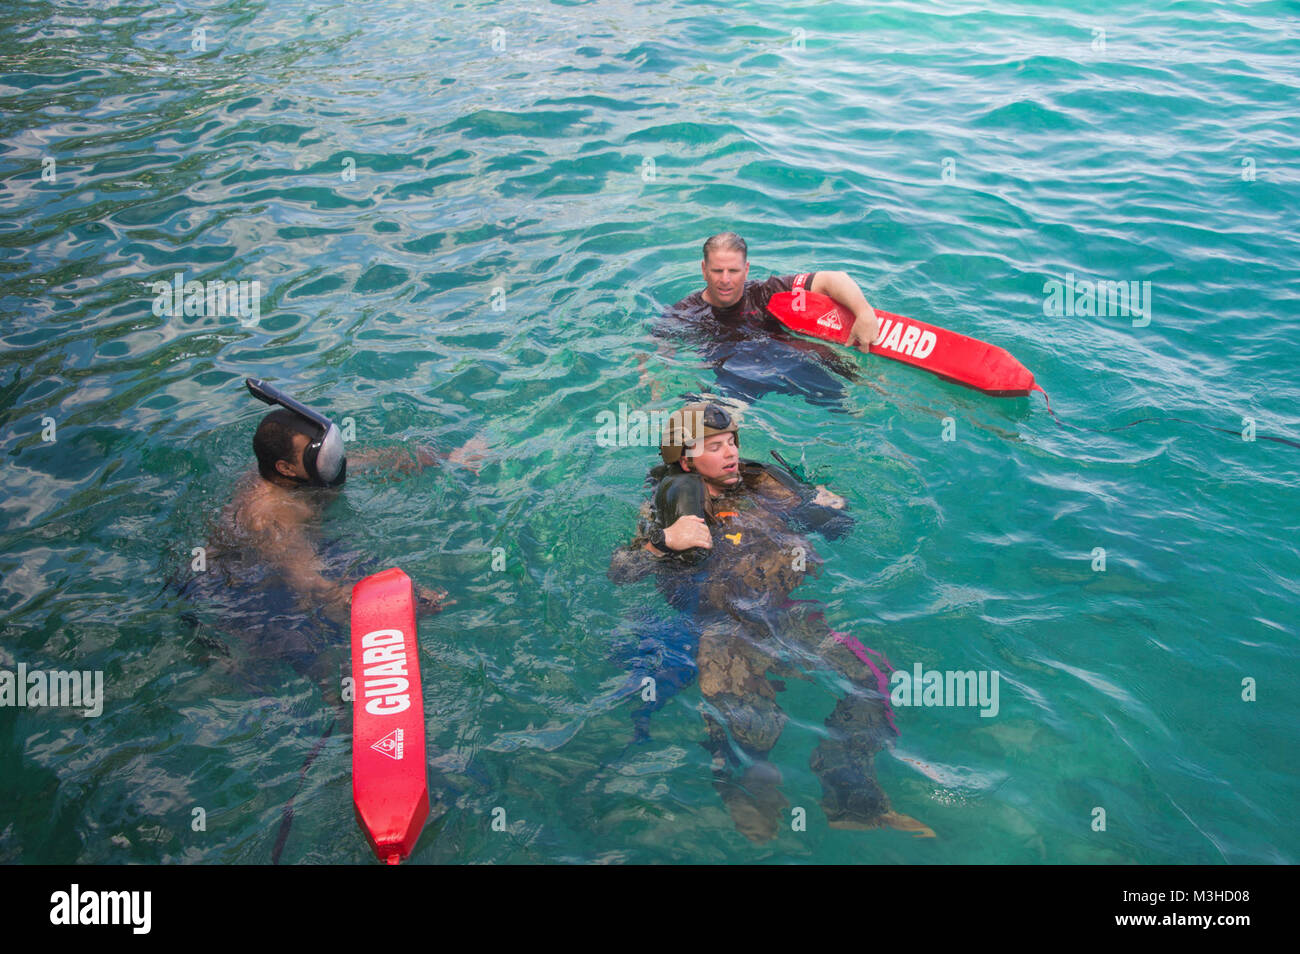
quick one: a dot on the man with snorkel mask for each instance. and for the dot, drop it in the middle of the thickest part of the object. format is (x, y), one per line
(299, 449)
(295, 445)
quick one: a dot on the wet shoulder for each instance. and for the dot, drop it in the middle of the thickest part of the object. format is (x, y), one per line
(692, 302)
(261, 509)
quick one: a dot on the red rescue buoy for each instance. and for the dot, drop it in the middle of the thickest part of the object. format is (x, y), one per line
(390, 781)
(952, 356)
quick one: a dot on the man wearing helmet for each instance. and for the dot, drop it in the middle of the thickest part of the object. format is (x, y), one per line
(723, 535)
(702, 442)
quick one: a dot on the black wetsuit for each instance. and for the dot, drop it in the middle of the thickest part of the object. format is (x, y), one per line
(737, 594)
(752, 353)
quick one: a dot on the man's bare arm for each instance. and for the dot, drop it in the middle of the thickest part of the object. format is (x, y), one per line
(403, 459)
(410, 458)
(845, 290)
(282, 541)
(289, 550)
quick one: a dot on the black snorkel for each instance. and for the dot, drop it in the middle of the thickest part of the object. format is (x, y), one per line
(323, 458)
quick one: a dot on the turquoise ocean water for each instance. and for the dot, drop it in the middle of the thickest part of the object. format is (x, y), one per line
(464, 217)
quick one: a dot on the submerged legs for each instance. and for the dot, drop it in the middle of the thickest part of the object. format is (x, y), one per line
(744, 723)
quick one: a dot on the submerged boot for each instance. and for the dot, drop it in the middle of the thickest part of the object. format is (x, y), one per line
(851, 796)
(755, 802)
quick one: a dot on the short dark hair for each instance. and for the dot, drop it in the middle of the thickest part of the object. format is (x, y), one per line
(274, 439)
(726, 240)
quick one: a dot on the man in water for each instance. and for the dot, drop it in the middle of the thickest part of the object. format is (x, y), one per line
(722, 534)
(272, 514)
(273, 587)
(750, 351)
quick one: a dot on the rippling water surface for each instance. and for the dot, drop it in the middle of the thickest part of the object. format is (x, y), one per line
(463, 219)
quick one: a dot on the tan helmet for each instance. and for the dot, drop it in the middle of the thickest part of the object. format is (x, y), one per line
(692, 423)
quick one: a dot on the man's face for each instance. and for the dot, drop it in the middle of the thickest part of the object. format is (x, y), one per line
(725, 271)
(296, 468)
(717, 460)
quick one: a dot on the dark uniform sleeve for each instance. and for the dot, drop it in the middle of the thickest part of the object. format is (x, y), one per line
(677, 496)
(830, 522)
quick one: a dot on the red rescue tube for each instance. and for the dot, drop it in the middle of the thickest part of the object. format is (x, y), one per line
(390, 781)
(952, 356)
